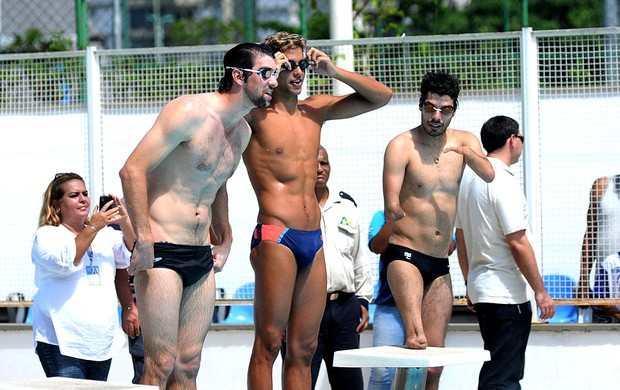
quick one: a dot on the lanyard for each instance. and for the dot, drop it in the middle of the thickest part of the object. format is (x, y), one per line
(89, 251)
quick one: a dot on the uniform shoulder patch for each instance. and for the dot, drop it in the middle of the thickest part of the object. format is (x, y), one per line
(344, 195)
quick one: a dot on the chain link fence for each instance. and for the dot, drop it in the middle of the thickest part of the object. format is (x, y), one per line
(46, 16)
(565, 98)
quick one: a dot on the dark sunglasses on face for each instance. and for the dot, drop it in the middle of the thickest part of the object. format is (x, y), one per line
(445, 110)
(521, 137)
(263, 73)
(303, 65)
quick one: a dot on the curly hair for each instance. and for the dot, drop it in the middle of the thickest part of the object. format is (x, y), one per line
(53, 194)
(241, 56)
(283, 41)
(441, 83)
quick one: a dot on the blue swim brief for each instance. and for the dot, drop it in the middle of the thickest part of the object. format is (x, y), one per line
(303, 244)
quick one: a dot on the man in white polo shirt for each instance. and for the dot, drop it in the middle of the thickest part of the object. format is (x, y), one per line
(497, 258)
(349, 281)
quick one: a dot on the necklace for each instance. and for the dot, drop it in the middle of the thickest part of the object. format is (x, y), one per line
(435, 158)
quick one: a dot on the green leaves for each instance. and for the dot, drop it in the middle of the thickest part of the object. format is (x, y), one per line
(34, 41)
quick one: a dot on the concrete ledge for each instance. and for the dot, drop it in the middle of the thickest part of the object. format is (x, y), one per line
(557, 357)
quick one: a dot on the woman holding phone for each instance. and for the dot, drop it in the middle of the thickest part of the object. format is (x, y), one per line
(78, 262)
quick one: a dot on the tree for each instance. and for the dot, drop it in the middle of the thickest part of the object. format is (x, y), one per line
(206, 31)
(378, 18)
(565, 14)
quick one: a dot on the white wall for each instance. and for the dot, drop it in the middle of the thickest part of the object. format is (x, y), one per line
(570, 357)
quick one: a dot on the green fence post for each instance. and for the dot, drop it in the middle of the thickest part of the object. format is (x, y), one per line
(81, 21)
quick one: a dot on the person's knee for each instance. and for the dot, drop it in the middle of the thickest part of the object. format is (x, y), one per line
(381, 375)
(70, 371)
(162, 364)
(188, 366)
(303, 350)
(270, 343)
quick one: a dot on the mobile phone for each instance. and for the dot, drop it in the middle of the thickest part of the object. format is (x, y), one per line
(103, 200)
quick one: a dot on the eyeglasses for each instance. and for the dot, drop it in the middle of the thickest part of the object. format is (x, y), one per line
(521, 137)
(445, 110)
(303, 65)
(263, 73)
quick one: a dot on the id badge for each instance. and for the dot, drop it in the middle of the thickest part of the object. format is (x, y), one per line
(93, 276)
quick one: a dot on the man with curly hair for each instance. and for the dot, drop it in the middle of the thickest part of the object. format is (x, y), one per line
(421, 177)
(287, 246)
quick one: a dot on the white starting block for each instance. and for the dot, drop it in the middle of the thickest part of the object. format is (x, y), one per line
(69, 384)
(410, 364)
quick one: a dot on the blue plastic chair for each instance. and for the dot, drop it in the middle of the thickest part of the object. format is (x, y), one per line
(561, 287)
(29, 316)
(241, 314)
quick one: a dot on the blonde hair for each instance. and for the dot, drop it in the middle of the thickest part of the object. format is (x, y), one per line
(283, 41)
(53, 194)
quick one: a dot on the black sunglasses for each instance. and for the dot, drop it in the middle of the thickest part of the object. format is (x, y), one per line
(303, 64)
(521, 137)
(56, 176)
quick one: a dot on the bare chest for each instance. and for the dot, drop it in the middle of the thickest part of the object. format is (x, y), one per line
(210, 156)
(424, 178)
(290, 142)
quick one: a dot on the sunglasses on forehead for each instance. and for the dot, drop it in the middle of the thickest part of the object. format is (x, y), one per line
(62, 174)
(263, 73)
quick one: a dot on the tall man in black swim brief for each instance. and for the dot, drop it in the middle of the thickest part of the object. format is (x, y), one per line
(191, 262)
(174, 183)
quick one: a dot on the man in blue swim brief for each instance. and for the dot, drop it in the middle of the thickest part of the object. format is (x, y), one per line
(281, 160)
(303, 244)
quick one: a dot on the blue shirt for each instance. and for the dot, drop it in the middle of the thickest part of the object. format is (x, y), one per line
(384, 295)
